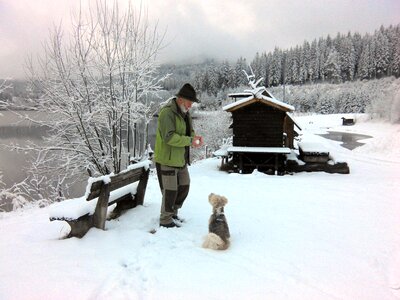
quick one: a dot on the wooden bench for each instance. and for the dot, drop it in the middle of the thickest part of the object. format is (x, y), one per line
(126, 190)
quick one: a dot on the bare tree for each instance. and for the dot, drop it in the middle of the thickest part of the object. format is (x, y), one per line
(94, 79)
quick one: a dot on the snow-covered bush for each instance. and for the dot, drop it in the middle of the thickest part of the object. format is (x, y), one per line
(395, 109)
(8, 199)
(214, 127)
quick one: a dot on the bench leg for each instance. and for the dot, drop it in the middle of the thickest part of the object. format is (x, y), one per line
(80, 226)
(100, 214)
(141, 189)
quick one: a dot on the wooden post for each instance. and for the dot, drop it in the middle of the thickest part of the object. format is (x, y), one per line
(141, 188)
(100, 214)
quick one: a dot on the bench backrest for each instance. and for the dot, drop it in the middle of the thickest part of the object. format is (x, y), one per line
(117, 182)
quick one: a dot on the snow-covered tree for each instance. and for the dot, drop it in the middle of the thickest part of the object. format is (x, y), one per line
(365, 67)
(332, 67)
(240, 65)
(357, 44)
(314, 64)
(256, 65)
(275, 68)
(382, 54)
(265, 64)
(213, 79)
(323, 55)
(94, 81)
(225, 75)
(305, 57)
(347, 58)
(396, 58)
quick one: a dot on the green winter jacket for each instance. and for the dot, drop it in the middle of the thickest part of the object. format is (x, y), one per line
(171, 138)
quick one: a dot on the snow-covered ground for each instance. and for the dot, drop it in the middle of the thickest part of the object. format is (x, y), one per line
(301, 236)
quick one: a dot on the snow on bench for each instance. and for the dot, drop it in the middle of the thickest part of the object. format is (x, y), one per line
(127, 189)
(75, 208)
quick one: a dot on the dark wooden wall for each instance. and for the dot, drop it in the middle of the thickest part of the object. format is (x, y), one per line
(288, 127)
(258, 125)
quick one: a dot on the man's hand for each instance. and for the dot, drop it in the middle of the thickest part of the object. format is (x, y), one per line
(197, 141)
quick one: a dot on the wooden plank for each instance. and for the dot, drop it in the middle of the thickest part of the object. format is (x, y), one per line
(117, 182)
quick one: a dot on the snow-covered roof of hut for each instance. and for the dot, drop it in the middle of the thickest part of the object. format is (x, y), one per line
(257, 95)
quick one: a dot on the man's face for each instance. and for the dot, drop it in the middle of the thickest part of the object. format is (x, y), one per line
(184, 104)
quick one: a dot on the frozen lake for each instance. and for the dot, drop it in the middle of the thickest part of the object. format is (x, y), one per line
(349, 140)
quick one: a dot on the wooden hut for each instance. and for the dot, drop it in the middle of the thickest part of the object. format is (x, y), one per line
(263, 131)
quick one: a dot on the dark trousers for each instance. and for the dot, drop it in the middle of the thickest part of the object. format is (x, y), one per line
(174, 184)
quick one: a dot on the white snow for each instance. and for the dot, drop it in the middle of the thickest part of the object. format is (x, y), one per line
(305, 236)
(77, 207)
(259, 149)
(262, 98)
(312, 147)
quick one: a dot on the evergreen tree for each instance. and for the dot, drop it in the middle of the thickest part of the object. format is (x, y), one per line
(396, 55)
(225, 78)
(213, 80)
(323, 56)
(366, 63)
(256, 65)
(313, 67)
(295, 67)
(347, 58)
(382, 54)
(276, 64)
(241, 65)
(305, 62)
(288, 67)
(265, 68)
(332, 67)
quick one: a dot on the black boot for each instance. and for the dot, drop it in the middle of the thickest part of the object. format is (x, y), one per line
(170, 225)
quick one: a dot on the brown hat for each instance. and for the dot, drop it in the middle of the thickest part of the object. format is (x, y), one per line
(188, 92)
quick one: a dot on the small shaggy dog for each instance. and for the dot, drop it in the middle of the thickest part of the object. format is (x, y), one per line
(218, 236)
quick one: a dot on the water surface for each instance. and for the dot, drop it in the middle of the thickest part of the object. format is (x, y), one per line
(349, 140)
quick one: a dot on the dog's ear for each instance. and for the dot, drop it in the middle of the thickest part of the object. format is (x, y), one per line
(211, 198)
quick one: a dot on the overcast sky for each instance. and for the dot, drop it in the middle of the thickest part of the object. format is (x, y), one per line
(221, 29)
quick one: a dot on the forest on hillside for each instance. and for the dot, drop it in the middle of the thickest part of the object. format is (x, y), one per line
(350, 73)
(346, 57)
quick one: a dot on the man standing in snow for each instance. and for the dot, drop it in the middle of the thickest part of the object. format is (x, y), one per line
(174, 137)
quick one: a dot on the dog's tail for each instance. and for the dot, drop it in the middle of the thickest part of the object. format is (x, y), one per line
(214, 242)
